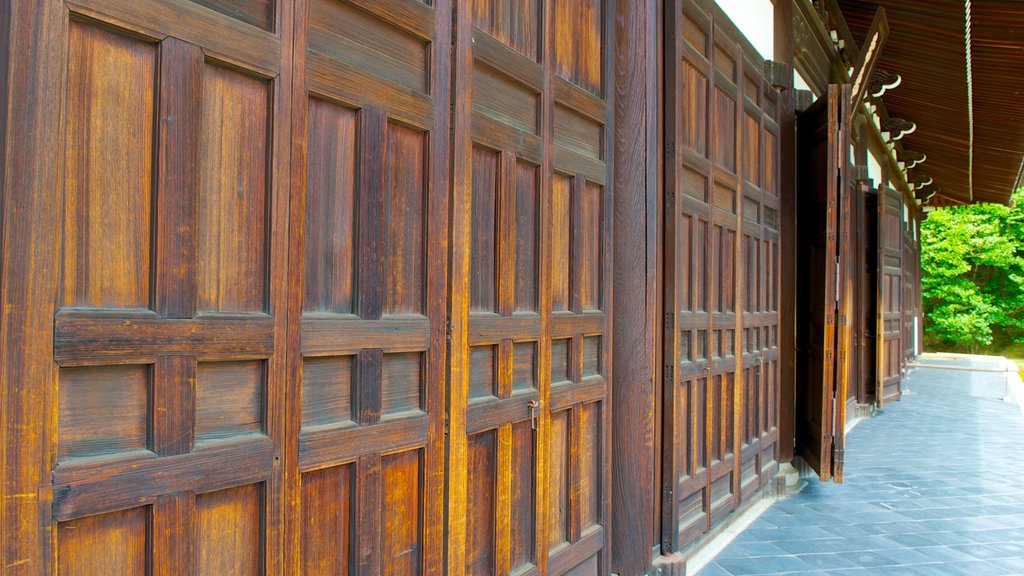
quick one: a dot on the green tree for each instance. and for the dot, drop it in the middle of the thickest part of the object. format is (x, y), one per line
(972, 264)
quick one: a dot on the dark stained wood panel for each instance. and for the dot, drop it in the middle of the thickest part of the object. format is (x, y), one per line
(259, 13)
(330, 214)
(890, 295)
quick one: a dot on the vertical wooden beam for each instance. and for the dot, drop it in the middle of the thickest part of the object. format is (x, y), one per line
(369, 380)
(30, 220)
(177, 182)
(784, 52)
(373, 126)
(369, 495)
(434, 382)
(458, 289)
(173, 532)
(635, 181)
(173, 414)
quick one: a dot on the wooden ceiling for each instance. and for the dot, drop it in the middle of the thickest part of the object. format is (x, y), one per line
(926, 47)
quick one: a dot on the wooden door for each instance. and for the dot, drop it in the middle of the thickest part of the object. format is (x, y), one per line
(721, 255)
(758, 280)
(890, 294)
(167, 420)
(823, 305)
(368, 262)
(911, 284)
(528, 459)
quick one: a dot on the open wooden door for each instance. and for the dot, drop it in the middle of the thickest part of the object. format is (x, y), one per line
(823, 301)
(890, 294)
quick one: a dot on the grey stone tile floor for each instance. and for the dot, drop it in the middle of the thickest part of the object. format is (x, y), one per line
(934, 485)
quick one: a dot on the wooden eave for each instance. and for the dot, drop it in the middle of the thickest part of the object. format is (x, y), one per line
(926, 47)
(820, 62)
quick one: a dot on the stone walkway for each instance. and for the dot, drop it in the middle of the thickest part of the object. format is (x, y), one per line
(934, 485)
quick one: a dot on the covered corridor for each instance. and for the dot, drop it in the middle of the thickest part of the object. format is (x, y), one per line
(934, 485)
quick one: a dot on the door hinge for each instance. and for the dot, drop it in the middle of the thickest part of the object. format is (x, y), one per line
(837, 280)
(670, 372)
(837, 461)
(448, 328)
(669, 321)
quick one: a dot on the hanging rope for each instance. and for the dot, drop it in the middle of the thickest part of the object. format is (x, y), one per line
(970, 99)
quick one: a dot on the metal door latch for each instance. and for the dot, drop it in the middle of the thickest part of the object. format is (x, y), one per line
(533, 405)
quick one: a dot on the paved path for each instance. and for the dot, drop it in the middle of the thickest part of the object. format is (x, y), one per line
(934, 485)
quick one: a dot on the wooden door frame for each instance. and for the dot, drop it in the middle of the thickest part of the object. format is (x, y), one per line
(31, 219)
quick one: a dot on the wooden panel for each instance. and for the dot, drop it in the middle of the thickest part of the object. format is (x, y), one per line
(259, 13)
(725, 130)
(524, 366)
(523, 496)
(578, 45)
(112, 543)
(577, 133)
(695, 106)
(513, 22)
(326, 390)
(560, 360)
(483, 263)
(229, 399)
(592, 356)
(482, 366)
(326, 529)
(590, 465)
(558, 481)
(232, 264)
(330, 207)
(561, 214)
(480, 512)
(402, 546)
(527, 234)
(352, 35)
(89, 397)
(401, 383)
(505, 100)
(406, 219)
(590, 240)
(109, 169)
(229, 534)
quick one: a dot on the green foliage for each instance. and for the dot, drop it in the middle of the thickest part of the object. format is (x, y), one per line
(972, 281)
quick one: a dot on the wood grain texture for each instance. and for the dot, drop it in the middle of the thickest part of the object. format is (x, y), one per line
(326, 530)
(177, 185)
(233, 197)
(229, 537)
(634, 304)
(109, 170)
(88, 396)
(330, 208)
(112, 543)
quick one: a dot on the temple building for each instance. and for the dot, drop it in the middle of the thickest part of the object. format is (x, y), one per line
(379, 287)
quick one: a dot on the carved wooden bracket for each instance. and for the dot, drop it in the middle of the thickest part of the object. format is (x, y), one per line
(896, 128)
(913, 158)
(882, 80)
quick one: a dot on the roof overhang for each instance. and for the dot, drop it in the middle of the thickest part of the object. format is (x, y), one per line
(926, 47)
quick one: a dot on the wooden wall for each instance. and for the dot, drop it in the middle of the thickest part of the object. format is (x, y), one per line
(309, 287)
